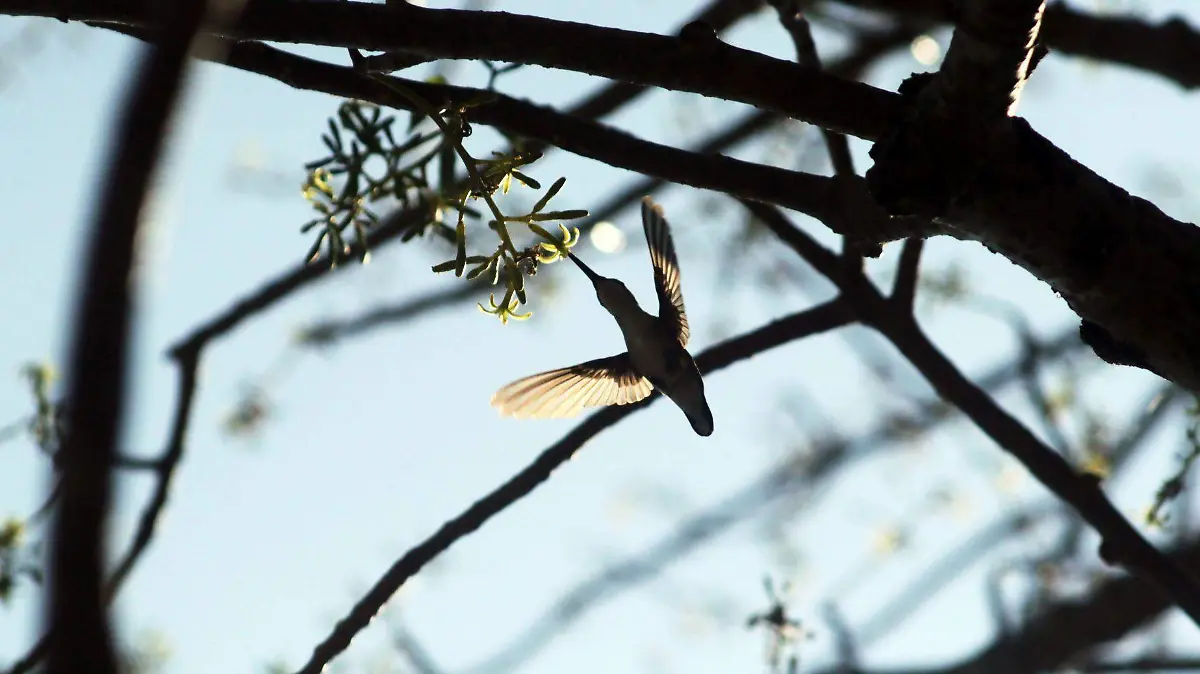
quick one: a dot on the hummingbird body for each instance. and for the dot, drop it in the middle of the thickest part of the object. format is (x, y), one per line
(656, 356)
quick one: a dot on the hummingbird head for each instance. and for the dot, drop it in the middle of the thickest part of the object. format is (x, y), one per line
(613, 294)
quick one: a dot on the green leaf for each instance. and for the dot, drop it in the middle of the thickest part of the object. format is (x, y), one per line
(561, 215)
(477, 271)
(360, 120)
(496, 273)
(337, 246)
(460, 238)
(333, 147)
(549, 194)
(315, 249)
(517, 280)
(526, 180)
(444, 267)
(336, 135)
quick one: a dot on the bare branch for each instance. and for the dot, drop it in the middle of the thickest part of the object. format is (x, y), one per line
(697, 61)
(904, 292)
(791, 15)
(187, 364)
(1170, 49)
(80, 636)
(1122, 264)
(943, 572)
(990, 57)
(1070, 626)
(812, 321)
(720, 15)
(825, 462)
(1123, 544)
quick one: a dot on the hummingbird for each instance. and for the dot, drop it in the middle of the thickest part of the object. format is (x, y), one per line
(656, 355)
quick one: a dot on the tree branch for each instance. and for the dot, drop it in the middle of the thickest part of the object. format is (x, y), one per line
(1170, 49)
(80, 637)
(954, 155)
(822, 464)
(812, 321)
(697, 61)
(720, 15)
(1066, 628)
(1122, 544)
(991, 54)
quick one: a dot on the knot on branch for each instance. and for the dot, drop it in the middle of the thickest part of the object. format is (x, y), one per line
(924, 163)
(699, 35)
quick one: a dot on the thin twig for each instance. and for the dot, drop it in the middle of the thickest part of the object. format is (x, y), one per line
(943, 572)
(791, 15)
(904, 290)
(187, 364)
(414, 651)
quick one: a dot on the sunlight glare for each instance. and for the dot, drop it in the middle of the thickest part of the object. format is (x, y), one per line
(607, 238)
(926, 50)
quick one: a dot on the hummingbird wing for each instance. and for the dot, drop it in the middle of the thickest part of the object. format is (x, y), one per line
(566, 391)
(666, 270)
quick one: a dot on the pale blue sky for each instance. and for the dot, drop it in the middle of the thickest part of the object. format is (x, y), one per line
(376, 442)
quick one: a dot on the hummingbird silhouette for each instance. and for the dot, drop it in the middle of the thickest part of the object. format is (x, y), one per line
(656, 356)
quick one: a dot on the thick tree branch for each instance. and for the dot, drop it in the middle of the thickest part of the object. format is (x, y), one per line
(1006, 187)
(80, 636)
(1122, 545)
(1122, 264)
(843, 204)
(1170, 49)
(697, 62)
(187, 354)
(807, 193)
(720, 15)
(990, 55)
(813, 321)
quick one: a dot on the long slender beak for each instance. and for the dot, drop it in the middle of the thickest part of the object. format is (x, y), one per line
(595, 278)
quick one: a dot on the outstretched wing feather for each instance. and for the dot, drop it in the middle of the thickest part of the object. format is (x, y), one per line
(666, 270)
(566, 391)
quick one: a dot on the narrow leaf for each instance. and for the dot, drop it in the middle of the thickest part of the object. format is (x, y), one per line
(561, 215)
(527, 180)
(460, 236)
(549, 194)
